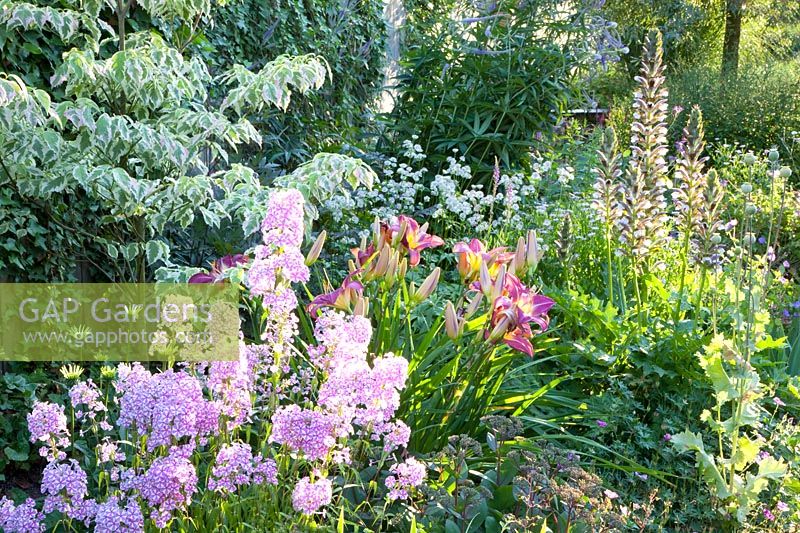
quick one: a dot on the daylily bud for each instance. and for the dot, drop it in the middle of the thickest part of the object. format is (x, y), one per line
(518, 265)
(376, 233)
(400, 233)
(499, 283)
(452, 325)
(316, 248)
(402, 268)
(382, 263)
(532, 253)
(485, 279)
(473, 305)
(427, 287)
(351, 266)
(392, 266)
(362, 306)
(500, 329)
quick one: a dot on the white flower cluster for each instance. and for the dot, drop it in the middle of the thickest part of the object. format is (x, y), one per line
(450, 194)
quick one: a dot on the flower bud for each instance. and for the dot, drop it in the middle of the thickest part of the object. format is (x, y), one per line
(747, 188)
(785, 172)
(402, 268)
(500, 329)
(473, 305)
(362, 306)
(749, 159)
(427, 287)
(392, 266)
(351, 266)
(316, 248)
(499, 283)
(452, 325)
(400, 233)
(774, 155)
(377, 234)
(532, 254)
(518, 265)
(485, 279)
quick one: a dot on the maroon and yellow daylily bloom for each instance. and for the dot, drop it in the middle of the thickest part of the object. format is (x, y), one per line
(472, 254)
(514, 313)
(218, 268)
(412, 237)
(341, 298)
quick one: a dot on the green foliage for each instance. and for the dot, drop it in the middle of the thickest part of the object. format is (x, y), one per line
(485, 81)
(758, 109)
(349, 35)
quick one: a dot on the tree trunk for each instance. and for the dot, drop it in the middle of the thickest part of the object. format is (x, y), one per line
(734, 10)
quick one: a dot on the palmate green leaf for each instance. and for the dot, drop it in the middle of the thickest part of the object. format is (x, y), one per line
(272, 85)
(688, 441)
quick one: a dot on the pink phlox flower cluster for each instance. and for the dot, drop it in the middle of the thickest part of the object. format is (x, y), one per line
(47, 423)
(168, 406)
(166, 486)
(373, 392)
(112, 517)
(85, 394)
(65, 488)
(283, 225)
(314, 433)
(404, 477)
(341, 338)
(279, 261)
(130, 376)
(236, 466)
(22, 518)
(394, 434)
(308, 497)
(108, 452)
(230, 382)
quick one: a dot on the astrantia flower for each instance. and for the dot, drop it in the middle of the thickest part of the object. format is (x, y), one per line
(166, 486)
(404, 477)
(308, 497)
(65, 489)
(304, 430)
(235, 467)
(22, 518)
(112, 516)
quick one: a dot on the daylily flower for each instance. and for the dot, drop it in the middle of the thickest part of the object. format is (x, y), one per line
(341, 298)
(218, 268)
(471, 255)
(414, 238)
(513, 314)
